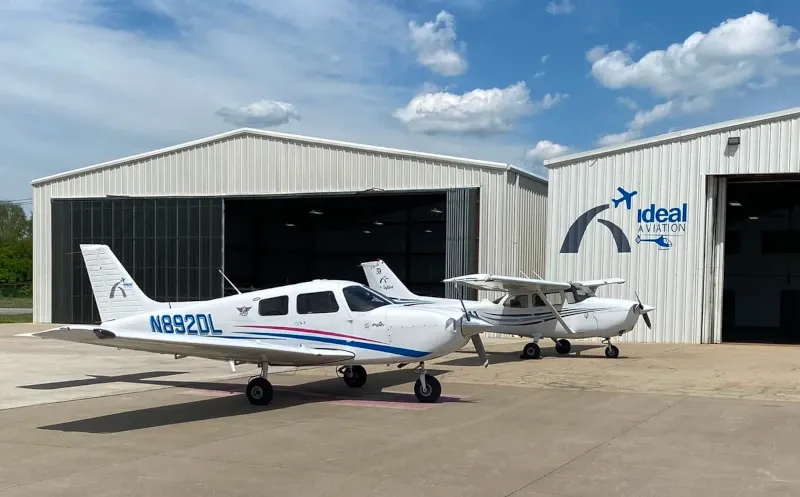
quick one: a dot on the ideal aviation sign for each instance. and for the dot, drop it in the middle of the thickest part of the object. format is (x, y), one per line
(656, 225)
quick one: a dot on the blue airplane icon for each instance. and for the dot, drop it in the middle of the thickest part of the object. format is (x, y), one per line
(662, 241)
(626, 196)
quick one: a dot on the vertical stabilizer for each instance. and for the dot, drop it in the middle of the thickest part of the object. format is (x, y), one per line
(381, 278)
(115, 292)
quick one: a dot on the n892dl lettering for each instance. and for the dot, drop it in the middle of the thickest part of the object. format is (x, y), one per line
(184, 324)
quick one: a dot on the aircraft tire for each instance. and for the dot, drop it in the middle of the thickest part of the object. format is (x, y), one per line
(259, 391)
(531, 351)
(563, 346)
(358, 379)
(434, 389)
(612, 352)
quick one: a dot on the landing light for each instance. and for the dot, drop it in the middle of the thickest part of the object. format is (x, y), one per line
(735, 204)
(315, 212)
(291, 225)
(753, 217)
(378, 223)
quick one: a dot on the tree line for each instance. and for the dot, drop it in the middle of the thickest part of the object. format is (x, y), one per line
(16, 251)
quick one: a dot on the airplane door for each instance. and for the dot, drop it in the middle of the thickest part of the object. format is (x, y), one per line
(372, 325)
(589, 324)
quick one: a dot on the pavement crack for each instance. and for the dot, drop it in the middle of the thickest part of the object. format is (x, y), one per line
(591, 449)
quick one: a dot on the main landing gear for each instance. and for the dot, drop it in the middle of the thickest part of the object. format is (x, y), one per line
(259, 390)
(353, 376)
(612, 352)
(427, 388)
(562, 346)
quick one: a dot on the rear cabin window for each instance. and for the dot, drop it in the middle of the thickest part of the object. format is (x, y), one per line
(274, 306)
(317, 303)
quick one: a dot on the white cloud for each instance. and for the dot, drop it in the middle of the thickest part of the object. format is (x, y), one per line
(544, 58)
(262, 114)
(545, 149)
(480, 111)
(434, 42)
(556, 7)
(747, 52)
(628, 102)
(92, 90)
(734, 53)
(617, 138)
(538, 75)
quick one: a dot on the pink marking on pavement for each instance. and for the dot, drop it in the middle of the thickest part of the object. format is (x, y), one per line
(409, 406)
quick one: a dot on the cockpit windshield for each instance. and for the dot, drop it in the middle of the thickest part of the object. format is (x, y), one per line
(362, 299)
(577, 294)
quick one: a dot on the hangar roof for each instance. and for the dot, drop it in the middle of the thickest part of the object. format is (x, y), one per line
(291, 137)
(675, 136)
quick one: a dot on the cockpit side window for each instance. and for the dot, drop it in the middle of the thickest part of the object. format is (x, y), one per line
(362, 299)
(576, 294)
(517, 301)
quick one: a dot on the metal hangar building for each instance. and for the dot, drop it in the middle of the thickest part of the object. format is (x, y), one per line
(271, 209)
(703, 224)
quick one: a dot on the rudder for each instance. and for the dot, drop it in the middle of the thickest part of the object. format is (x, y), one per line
(116, 294)
(381, 278)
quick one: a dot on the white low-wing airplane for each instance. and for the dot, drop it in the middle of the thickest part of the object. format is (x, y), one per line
(526, 310)
(322, 322)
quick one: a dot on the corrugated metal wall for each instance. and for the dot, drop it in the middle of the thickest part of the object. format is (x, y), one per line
(462, 239)
(667, 175)
(258, 165)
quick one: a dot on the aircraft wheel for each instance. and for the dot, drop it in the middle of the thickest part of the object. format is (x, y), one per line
(259, 391)
(433, 389)
(357, 378)
(612, 352)
(563, 346)
(531, 351)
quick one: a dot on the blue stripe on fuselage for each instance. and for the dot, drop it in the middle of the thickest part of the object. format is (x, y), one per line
(361, 345)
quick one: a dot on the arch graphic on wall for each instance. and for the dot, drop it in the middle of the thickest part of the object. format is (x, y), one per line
(577, 231)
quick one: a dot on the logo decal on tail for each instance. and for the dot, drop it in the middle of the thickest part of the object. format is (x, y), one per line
(125, 284)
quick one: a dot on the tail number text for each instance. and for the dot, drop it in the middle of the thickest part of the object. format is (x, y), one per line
(184, 324)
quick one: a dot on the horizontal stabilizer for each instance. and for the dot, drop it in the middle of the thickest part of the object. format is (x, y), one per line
(225, 348)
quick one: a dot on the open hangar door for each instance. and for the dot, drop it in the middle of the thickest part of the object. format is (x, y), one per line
(423, 236)
(171, 247)
(761, 286)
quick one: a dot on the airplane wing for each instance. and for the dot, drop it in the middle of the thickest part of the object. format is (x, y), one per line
(593, 285)
(510, 284)
(248, 350)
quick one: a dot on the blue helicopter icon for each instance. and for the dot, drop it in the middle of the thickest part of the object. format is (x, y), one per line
(662, 241)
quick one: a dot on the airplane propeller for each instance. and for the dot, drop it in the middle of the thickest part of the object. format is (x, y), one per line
(645, 316)
(476, 340)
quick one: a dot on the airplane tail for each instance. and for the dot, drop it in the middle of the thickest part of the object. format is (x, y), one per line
(617, 201)
(116, 294)
(381, 278)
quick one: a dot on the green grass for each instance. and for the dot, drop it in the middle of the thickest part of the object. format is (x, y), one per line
(16, 318)
(16, 303)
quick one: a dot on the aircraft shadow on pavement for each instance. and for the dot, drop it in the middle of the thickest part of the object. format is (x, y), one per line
(234, 403)
(514, 356)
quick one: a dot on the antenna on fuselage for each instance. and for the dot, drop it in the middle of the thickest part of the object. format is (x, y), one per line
(526, 276)
(229, 281)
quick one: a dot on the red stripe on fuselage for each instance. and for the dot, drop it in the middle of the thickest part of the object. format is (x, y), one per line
(306, 330)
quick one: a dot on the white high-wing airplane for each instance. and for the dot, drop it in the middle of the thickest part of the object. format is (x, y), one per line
(322, 322)
(526, 310)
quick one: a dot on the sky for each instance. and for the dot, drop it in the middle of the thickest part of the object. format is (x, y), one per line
(515, 81)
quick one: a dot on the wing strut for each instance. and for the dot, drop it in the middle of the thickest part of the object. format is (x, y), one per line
(549, 305)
